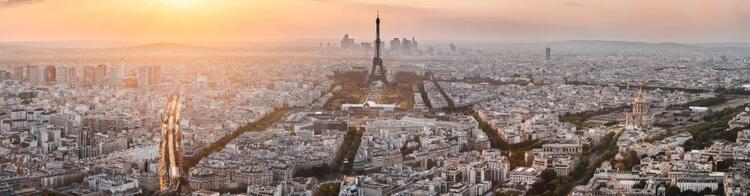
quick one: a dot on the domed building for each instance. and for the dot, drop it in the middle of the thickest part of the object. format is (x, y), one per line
(640, 117)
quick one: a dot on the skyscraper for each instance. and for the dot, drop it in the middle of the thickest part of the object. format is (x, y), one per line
(148, 75)
(50, 75)
(62, 75)
(346, 42)
(33, 75)
(548, 53)
(155, 75)
(395, 45)
(377, 62)
(4, 75)
(405, 46)
(115, 76)
(89, 75)
(414, 44)
(99, 74)
(143, 77)
(86, 140)
(18, 74)
(71, 78)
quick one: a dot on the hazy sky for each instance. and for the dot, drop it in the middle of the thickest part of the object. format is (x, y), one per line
(274, 20)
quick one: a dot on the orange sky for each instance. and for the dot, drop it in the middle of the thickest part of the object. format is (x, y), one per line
(274, 20)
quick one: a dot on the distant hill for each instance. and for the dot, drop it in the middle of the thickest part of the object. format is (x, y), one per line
(173, 47)
(165, 46)
(719, 47)
(726, 45)
(628, 43)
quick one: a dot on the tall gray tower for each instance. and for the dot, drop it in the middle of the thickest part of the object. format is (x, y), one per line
(377, 62)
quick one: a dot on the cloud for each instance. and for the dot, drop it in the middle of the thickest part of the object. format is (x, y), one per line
(12, 3)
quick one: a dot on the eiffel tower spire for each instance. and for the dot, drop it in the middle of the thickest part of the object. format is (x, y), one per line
(377, 61)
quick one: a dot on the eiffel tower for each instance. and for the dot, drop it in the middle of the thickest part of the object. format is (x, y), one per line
(377, 62)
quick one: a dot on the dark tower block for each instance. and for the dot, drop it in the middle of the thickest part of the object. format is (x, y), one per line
(378, 71)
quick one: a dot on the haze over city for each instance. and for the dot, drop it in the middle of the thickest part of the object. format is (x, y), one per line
(262, 20)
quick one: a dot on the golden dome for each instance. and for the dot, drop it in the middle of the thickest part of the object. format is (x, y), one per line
(639, 97)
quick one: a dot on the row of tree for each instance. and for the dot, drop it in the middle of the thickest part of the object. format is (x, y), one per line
(548, 183)
(218, 145)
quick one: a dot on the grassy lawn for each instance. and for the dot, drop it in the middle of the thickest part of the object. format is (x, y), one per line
(713, 127)
(353, 89)
(400, 90)
(329, 188)
(580, 118)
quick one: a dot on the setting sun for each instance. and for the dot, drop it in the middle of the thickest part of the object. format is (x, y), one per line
(181, 4)
(375, 97)
(259, 20)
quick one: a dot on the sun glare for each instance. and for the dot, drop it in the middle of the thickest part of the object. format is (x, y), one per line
(181, 4)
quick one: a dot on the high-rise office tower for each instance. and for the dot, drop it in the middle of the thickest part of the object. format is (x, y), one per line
(62, 75)
(155, 75)
(405, 46)
(18, 74)
(143, 77)
(34, 75)
(71, 78)
(50, 75)
(395, 45)
(115, 76)
(149, 75)
(414, 44)
(89, 76)
(346, 42)
(99, 74)
(366, 46)
(547, 54)
(86, 145)
(4, 75)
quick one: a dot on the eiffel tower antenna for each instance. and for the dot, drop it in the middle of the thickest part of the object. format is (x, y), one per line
(377, 73)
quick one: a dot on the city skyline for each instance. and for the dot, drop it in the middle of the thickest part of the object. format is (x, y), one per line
(369, 98)
(694, 21)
